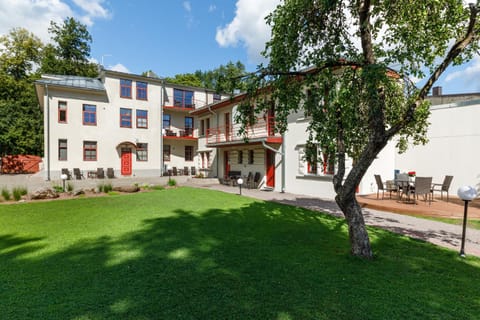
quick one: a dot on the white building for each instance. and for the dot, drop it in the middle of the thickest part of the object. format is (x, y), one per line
(135, 125)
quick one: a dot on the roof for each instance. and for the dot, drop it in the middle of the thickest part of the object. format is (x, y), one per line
(72, 82)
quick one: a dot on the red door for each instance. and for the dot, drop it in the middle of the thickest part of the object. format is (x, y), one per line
(226, 164)
(270, 164)
(126, 162)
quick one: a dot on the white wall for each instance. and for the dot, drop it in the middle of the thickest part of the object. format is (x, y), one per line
(454, 136)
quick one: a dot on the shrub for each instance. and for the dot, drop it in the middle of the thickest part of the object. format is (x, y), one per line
(158, 187)
(18, 192)
(106, 188)
(6, 194)
(172, 182)
(57, 188)
(69, 187)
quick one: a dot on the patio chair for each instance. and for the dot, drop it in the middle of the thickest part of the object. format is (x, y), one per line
(256, 180)
(423, 186)
(185, 171)
(100, 173)
(384, 187)
(443, 187)
(78, 174)
(67, 172)
(192, 171)
(249, 180)
(174, 171)
(110, 173)
(402, 183)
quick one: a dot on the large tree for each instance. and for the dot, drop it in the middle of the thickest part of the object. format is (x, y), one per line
(70, 52)
(21, 122)
(331, 60)
(224, 79)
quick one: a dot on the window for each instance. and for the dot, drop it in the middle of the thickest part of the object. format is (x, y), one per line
(141, 90)
(188, 126)
(188, 153)
(142, 119)
(126, 88)
(240, 157)
(207, 125)
(125, 118)
(89, 151)
(217, 97)
(62, 149)
(142, 151)
(62, 111)
(182, 98)
(89, 115)
(166, 121)
(251, 156)
(166, 152)
(202, 128)
(311, 156)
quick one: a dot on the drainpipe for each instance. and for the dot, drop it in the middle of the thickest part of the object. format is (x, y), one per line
(48, 132)
(162, 102)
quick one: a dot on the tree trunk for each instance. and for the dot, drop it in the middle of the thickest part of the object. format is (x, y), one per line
(357, 231)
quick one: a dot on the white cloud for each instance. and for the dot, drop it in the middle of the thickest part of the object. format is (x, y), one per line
(35, 15)
(248, 27)
(467, 75)
(118, 67)
(187, 6)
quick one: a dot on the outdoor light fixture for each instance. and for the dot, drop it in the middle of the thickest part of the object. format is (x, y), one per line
(240, 182)
(63, 177)
(467, 194)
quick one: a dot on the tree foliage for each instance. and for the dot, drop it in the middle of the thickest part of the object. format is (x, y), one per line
(224, 79)
(331, 61)
(70, 51)
(186, 79)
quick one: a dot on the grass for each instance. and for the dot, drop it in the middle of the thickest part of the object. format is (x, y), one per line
(185, 253)
(474, 224)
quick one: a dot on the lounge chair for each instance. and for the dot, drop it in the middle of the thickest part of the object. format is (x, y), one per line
(78, 174)
(67, 172)
(110, 173)
(443, 187)
(100, 173)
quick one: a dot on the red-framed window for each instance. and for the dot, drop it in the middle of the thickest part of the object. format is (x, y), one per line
(312, 159)
(62, 112)
(166, 121)
(142, 90)
(62, 150)
(142, 119)
(183, 98)
(328, 164)
(142, 151)
(166, 152)
(89, 112)
(217, 97)
(188, 153)
(188, 126)
(202, 128)
(89, 150)
(125, 118)
(126, 88)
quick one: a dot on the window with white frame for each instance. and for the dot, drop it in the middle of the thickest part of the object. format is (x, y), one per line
(312, 161)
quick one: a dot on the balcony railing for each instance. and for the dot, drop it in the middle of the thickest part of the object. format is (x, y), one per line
(263, 128)
(179, 133)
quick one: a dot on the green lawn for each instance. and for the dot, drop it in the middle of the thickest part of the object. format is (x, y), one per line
(197, 254)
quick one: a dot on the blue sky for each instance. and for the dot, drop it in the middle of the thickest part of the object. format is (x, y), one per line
(175, 36)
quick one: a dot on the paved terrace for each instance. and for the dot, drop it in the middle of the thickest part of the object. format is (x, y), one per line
(379, 213)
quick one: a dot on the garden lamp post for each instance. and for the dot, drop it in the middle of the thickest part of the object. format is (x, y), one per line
(240, 182)
(64, 177)
(467, 194)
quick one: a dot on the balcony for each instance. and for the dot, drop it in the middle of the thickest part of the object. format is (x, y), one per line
(179, 108)
(179, 133)
(263, 129)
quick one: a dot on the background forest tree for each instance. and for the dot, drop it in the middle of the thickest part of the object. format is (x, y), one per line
(21, 120)
(331, 61)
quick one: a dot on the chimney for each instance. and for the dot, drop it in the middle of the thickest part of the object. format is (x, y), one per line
(436, 91)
